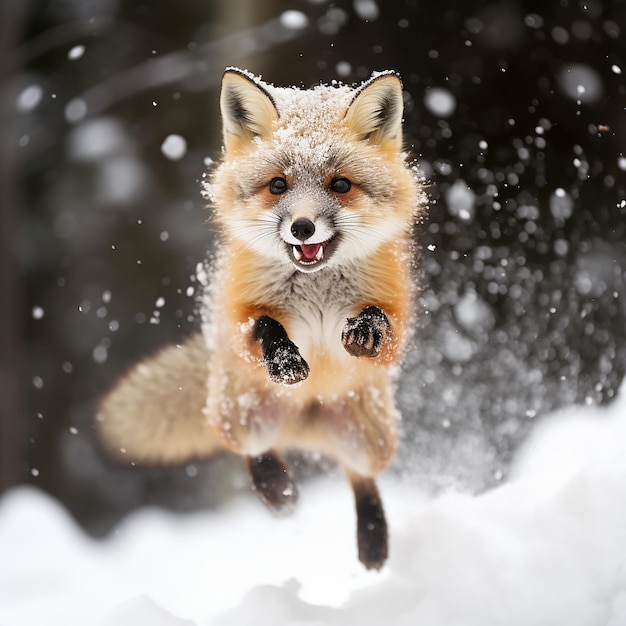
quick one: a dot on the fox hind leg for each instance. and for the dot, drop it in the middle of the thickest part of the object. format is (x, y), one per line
(362, 431)
(272, 482)
(372, 533)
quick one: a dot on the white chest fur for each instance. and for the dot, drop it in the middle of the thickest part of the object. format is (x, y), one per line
(314, 306)
(317, 307)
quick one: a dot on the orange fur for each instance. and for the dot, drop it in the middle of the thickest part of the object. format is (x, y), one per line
(315, 203)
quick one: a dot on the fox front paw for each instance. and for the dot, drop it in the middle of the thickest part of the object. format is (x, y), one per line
(285, 364)
(281, 356)
(365, 334)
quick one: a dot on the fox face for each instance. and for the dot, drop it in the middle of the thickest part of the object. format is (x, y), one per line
(312, 178)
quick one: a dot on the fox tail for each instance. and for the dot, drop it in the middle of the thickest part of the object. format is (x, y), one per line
(154, 414)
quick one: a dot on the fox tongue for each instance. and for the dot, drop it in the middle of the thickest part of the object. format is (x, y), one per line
(310, 250)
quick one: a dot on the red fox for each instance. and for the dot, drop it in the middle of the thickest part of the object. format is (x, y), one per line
(309, 303)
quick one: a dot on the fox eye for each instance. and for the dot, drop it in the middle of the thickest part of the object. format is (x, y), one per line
(278, 185)
(340, 185)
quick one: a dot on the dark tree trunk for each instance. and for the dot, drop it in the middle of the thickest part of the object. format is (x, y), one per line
(11, 448)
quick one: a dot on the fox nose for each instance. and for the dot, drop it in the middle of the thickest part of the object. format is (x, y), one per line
(302, 228)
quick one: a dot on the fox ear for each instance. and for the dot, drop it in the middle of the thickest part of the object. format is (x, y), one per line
(375, 113)
(247, 109)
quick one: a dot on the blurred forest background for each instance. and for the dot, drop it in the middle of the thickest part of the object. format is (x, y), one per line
(109, 111)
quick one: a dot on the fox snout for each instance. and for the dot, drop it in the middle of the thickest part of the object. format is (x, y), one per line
(302, 228)
(309, 243)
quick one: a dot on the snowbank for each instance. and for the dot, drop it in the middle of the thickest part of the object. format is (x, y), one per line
(546, 548)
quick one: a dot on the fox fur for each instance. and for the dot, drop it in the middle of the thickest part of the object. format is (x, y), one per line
(309, 303)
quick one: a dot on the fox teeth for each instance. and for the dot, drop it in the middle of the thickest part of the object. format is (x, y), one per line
(297, 255)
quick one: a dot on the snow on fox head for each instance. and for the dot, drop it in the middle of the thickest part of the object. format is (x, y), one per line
(313, 178)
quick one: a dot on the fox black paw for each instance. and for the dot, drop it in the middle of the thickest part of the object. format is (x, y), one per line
(365, 334)
(272, 482)
(281, 356)
(285, 364)
(372, 534)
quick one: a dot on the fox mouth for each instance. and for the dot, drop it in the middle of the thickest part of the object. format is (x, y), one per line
(311, 256)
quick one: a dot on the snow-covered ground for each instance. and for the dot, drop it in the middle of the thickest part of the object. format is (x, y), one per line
(546, 548)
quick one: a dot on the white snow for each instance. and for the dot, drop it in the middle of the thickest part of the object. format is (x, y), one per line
(472, 312)
(343, 68)
(100, 354)
(29, 98)
(296, 20)
(461, 200)
(546, 548)
(76, 53)
(367, 10)
(174, 147)
(581, 82)
(440, 102)
(561, 204)
(97, 139)
(38, 312)
(75, 110)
